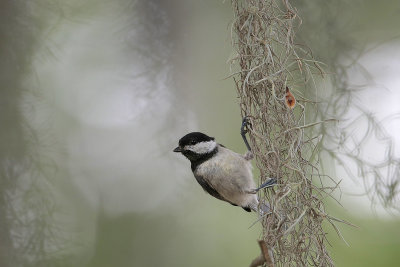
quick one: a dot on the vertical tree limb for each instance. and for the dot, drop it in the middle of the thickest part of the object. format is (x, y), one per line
(269, 62)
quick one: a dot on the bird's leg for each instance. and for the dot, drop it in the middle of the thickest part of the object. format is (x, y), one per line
(244, 130)
(269, 183)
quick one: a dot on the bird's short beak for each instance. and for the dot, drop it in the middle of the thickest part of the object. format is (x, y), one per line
(178, 149)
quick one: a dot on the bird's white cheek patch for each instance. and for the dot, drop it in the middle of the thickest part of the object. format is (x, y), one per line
(202, 148)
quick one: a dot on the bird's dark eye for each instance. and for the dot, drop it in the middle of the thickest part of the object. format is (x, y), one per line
(193, 142)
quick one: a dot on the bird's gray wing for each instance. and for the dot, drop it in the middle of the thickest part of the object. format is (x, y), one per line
(209, 189)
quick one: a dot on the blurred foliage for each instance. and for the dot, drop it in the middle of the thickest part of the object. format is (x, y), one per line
(341, 44)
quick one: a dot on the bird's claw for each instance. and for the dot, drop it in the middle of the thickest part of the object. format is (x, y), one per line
(244, 129)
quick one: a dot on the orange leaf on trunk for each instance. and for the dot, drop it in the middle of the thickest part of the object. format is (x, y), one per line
(290, 100)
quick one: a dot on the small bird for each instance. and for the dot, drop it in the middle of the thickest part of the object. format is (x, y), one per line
(223, 173)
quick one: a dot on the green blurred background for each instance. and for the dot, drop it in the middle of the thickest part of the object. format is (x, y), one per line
(96, 94)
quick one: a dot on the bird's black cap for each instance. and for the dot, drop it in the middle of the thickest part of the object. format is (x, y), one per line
(192, 139)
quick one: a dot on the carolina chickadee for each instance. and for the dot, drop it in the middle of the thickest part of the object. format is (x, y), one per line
(222, 173)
